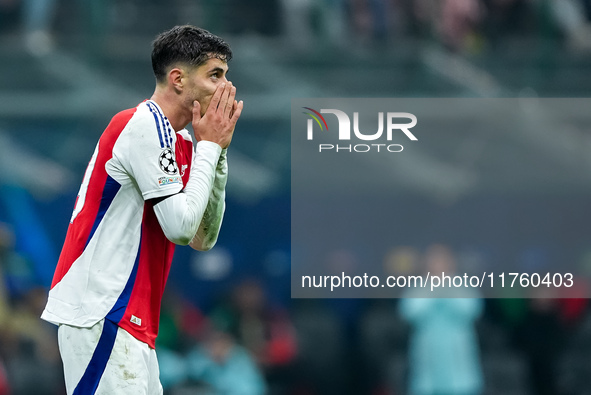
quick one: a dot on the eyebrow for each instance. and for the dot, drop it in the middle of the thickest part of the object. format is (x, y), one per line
(216, 69)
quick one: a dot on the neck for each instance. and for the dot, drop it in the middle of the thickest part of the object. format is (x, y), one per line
(173, 108)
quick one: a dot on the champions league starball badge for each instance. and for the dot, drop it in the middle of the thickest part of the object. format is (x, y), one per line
(167, 162)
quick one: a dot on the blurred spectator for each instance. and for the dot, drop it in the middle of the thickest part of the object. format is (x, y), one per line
(541, 337)
(443, 350)
(4, 387)
(454, 23)
(8, 14)
(308, 22)
(182, 325)
(33, 349)
(503, 18)
(263, 330)
(181, 322)
(6, 251)
(199, 355)
(27, 344)
(323, 348)
(574, 369)
(371, 18)
(37, 17)
(254, 17)
(6, 243)
(17, 271)
(383, 339)
(225, 367)
(458, 23)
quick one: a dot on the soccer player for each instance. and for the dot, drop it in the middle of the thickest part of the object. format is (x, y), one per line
(146, 188)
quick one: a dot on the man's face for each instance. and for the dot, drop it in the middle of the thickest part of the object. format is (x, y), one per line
(201, 82)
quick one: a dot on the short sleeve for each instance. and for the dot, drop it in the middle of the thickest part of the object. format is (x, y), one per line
(147, 153)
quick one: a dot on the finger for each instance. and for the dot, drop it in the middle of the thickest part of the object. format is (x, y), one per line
(224, 98)
(238, 111)
(196, 111)
(233, 108)
(215, 99)
(230, 103)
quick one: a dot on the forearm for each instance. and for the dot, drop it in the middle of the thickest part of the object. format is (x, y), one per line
(180, 215)
(208, 231)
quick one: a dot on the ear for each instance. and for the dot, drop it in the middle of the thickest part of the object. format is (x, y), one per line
(175, 79)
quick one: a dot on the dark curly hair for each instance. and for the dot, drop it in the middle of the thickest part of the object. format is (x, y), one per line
(186, 44)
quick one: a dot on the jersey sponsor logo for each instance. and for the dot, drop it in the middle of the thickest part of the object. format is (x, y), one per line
(167, 162)
(162, 181)
(136, 320)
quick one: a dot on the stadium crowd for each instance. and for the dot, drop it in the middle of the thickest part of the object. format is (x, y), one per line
(249, 343)
(465, 26)
(245, 344)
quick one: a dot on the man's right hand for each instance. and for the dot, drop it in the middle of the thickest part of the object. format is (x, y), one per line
(219, 120)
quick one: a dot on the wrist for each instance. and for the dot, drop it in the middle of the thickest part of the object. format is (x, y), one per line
(209, 148)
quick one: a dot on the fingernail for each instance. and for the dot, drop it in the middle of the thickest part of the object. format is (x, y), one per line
(194, 103)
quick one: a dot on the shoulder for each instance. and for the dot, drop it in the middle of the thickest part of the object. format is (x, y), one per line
(136, 116)
(121, 119)
(145, 122)
(142, 115)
